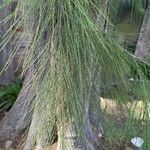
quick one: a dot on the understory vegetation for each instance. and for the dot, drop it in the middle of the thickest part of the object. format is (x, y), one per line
(8, 95)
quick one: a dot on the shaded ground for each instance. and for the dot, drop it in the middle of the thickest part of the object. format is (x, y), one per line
(120, 127)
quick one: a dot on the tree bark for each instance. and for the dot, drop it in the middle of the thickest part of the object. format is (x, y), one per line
(91, 128)
(143, 46)
(93, 134)
(7, 75)
(17, 119)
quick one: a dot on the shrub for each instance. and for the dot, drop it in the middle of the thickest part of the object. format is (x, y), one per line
(8, 95)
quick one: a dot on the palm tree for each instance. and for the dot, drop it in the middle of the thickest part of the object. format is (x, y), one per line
(71, 57)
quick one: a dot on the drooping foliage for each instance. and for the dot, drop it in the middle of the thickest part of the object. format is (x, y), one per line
(73, 59)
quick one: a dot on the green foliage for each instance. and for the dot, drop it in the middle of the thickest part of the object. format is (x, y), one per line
(72, 58)
(145, 68)
(8, 95)
(130, 127)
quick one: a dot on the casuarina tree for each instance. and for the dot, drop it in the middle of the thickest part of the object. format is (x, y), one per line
(73, 54)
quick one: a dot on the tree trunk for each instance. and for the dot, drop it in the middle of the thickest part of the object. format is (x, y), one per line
(8, 75)
(38, 137)
(93, 135)
(17, 119)
(143, 46)
(91, 128)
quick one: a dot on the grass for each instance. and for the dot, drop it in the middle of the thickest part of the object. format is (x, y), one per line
(124, 110)
(123, 121)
